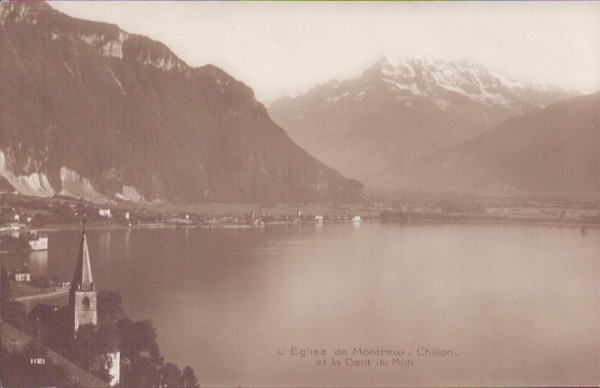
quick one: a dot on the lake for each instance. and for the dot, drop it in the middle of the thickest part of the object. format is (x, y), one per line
(455, 304)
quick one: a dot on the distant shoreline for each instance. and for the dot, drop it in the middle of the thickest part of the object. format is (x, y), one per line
(40, 296)
(412, 221)
(496, 222)
(428, 218)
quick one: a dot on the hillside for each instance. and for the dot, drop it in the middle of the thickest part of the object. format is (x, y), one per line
(14, 340)
(88, 110)
(398, 111)
(553, 151)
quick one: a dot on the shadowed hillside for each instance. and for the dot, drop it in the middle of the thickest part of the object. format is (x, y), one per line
(554, 151)
(88, 110)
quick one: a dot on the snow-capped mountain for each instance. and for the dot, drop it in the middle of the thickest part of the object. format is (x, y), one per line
(441, 81)
(89, 110)
(401, 110)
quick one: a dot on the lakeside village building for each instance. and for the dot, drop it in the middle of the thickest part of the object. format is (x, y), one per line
(82, 303)
(22, 275)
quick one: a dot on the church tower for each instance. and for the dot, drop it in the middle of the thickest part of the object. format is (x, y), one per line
(82, 295)
(82, 301)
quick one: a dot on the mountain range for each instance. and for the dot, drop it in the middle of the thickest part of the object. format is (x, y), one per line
(553, 151)
(89, 110)
(399, 111)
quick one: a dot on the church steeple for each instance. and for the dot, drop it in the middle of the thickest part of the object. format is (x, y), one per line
(83, 304)
(83, 279)
(82, 296)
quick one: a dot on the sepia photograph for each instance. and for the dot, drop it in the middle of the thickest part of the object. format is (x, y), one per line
(279, 194)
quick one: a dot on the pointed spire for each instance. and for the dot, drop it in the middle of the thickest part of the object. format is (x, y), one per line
(83, 279)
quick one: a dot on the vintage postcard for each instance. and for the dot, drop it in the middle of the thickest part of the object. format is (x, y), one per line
(299, 194)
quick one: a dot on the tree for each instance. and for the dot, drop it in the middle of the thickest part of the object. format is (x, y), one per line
(12, 312)
(108, 339)
(188, 378)
(110, 307)
(89, 351)
(57, 335)
(139, 346)
(41, 282)
(5, 294)
(15, 314)
(145, 373)
(138, 340)
(170, 375)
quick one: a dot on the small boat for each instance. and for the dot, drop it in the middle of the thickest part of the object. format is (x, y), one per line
(319, 219)
(12, 227)
(258, 222)
(356, 219)
(38, 242)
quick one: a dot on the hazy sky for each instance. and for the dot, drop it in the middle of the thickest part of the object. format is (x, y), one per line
(281, 48)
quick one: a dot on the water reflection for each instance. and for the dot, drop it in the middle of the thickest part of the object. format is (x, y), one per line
(318, 227)
(38, 263)
(127, 242)
(104, 244)
(224, 300)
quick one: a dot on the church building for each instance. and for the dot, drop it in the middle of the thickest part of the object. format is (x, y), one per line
(83, 301)
(82, 295)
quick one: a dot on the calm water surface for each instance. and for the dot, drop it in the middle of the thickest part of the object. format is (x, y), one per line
(518, 304)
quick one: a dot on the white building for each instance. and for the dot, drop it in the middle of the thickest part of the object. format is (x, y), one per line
(115, 369)
(22, 276)
(105, 213)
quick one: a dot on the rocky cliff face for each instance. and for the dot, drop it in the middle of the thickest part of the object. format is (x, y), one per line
(88, 110)
(399, 111)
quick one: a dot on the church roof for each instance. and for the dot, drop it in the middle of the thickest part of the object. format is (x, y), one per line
(83, 270)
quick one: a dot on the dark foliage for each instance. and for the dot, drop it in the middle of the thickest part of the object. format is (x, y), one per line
(170, 375)
(31, 367)
(12, 312)
(110, 307)
(89, 350)
(188, 378)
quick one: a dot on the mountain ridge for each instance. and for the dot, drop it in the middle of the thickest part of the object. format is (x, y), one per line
(553, 151)
(90, 110)
(399, 111)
